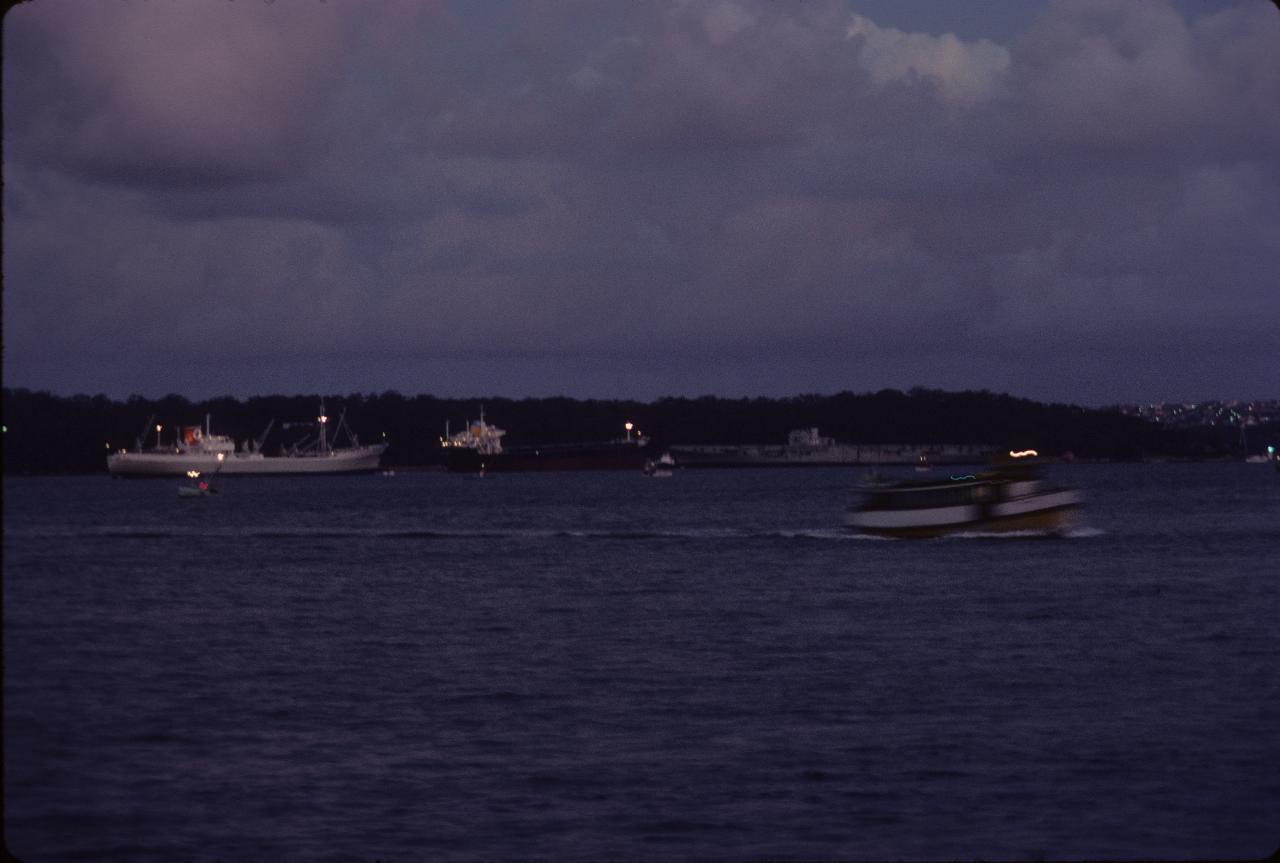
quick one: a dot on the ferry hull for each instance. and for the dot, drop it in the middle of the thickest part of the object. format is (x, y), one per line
(1043, 521)
(1050, 512)
(159, 464)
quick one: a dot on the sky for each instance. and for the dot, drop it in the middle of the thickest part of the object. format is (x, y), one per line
(1067, 201)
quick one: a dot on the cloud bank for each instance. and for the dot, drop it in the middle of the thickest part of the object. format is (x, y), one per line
(621, 199)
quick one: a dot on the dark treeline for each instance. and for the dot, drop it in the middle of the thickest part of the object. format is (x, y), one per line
(45, 433)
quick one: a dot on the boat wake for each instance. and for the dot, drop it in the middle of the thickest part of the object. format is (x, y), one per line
(225, 532)
(832, 534)
(1084, 532)
(1069, 533)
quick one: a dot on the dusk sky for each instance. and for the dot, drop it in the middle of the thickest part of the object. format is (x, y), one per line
(1069, 201)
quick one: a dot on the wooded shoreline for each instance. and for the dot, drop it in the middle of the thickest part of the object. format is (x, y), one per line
(50, 434)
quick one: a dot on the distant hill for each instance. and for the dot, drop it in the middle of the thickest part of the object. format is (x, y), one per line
(48, 434)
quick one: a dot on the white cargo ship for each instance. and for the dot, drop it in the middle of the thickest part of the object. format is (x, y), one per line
(198, 449)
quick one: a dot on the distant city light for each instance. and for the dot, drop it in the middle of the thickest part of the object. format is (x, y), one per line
(1023, 453)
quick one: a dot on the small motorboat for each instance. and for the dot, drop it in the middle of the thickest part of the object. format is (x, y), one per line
(200, 488)
(196, 485)
(661, 467)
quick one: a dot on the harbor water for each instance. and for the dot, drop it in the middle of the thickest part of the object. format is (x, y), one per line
(606, 666)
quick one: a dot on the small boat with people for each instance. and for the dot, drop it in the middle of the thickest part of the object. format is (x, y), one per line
(199, 488)
(197, 485)
(1010, 496)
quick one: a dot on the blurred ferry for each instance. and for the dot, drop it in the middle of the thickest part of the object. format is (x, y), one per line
(1009, 497)
(199, 450)
(479, 449)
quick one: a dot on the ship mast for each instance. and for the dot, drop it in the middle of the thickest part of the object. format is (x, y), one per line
(324, 439)
(261, 439)
(142, 438)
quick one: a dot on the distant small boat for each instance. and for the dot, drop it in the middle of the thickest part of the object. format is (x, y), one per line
(1010, 497)
(198, 486)
(200, 489)
(661, 467)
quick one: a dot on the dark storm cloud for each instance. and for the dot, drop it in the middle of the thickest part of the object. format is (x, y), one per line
(632, 199)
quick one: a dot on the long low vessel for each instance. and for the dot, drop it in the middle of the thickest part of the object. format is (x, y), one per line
(809, 448)
(197, 449)
(479, 449)
(1010, 497)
